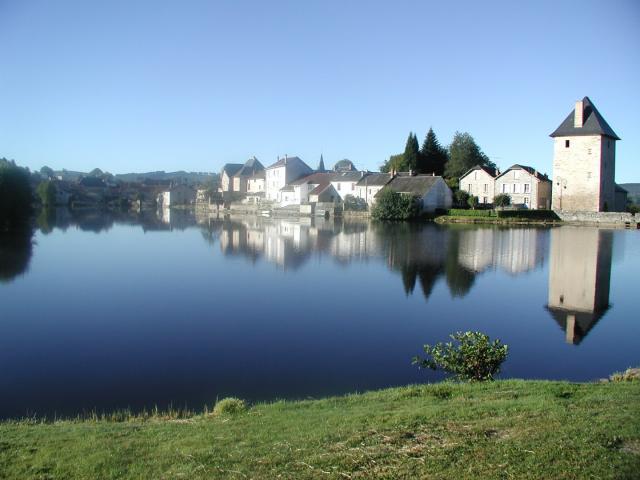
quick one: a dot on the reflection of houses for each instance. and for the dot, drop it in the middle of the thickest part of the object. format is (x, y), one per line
(579, 279)
(514, 250)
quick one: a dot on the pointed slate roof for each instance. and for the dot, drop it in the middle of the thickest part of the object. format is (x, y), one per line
(540, 176)
(250, 168)
(593, 123)
(231, 168)
(490, 170)
(321, 165)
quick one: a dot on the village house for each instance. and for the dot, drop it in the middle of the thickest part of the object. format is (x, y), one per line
(279, 177)
(432, 191)
(370, 184)
(249, 170)
(584, 163)
(479, 181)
(226, 176)
(255, 187)
(344, 182)
(526, 186)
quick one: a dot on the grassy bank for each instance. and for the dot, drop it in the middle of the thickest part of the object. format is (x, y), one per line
(505, 429)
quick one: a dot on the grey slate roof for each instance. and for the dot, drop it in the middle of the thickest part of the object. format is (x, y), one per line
(347, 176)
(318, 177)
(490, 170)
(231, 168)
(288, 160)
(374, 179)
(593, 123)
(250, 168)
(620, 189)
(417, 184)
(531, 170)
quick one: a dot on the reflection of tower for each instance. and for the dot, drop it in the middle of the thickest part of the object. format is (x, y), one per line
(579, 278)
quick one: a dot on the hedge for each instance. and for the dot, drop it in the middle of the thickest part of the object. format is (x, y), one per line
(459, 212)
(528, 214)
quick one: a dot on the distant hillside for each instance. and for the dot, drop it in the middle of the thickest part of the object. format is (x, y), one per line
(634, 191)
(189, 177)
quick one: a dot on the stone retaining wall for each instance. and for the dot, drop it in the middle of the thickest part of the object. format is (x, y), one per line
(599, 218)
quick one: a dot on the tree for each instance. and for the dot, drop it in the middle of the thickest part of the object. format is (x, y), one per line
(462, 198)
(47, 192)
(395, 206)
(411, 152)
(47, 172)
(472, 201)
(394, 163)
(464, 154)
(474, 358)
(502, 200)
(433, 157)
(15, 196)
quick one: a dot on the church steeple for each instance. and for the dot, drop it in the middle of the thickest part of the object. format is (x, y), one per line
(321, 165)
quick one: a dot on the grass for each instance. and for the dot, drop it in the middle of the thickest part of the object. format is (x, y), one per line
(503, 429)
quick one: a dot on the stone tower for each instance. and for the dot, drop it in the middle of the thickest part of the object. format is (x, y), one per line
(584, 161)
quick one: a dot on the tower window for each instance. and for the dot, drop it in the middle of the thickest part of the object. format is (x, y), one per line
(566, 144)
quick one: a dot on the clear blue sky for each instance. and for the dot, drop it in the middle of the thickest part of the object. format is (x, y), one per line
(190, 85)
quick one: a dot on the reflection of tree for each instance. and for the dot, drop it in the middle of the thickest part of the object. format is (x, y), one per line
(15, 253)
(46, 220)
(459, 279)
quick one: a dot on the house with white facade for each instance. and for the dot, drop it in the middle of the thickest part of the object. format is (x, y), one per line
(250, 169)
(344, 182)
(479, 181)
(526, 186)
(281, 174)
(178, 195)
(432, 191)
(584, 162)
(370, 184)
(226, 176)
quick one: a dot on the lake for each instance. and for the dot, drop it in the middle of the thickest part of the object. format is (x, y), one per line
(109, 311)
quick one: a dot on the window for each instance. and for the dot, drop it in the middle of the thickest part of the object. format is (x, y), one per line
(469, 188)
(504, 188)
(484, 199)
(527, 188)
(526, 201)
(486, 188)
(369, 191)
(515, 190)
(588, 151)
(566, 144)
(475, 175)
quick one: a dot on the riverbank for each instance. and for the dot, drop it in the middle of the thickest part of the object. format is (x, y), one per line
(504, 429)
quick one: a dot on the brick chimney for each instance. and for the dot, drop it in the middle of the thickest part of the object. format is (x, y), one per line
(578, 120)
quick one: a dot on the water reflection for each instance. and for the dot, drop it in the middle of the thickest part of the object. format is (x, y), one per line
(16, 249)
(421, 254)
(579, 279)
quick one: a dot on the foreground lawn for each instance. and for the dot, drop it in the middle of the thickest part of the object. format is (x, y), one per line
(505, 429)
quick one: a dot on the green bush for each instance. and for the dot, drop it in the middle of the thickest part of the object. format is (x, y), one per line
(502, 200)
(461, 198)
(355, 204)
(474, 357)
(229, 406)
(47, 192)
(391, 205)
(528, 214)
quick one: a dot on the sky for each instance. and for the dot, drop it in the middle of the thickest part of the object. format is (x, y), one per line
(133, 86)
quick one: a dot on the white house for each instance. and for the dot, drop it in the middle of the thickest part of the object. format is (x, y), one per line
(178, 195)
(344, 182)
(370, 184)
(226, 176)
(526, 186)
(281, 174)
(432, 192)
(480, 182)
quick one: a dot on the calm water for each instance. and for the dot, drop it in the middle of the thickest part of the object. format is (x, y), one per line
(104, 313)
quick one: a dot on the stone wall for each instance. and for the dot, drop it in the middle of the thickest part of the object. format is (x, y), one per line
(599, 218)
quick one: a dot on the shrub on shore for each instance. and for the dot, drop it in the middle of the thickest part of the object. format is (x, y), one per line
(229, 406)
(474, 358)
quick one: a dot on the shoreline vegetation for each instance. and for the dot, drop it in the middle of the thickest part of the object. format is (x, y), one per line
(500, 429)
